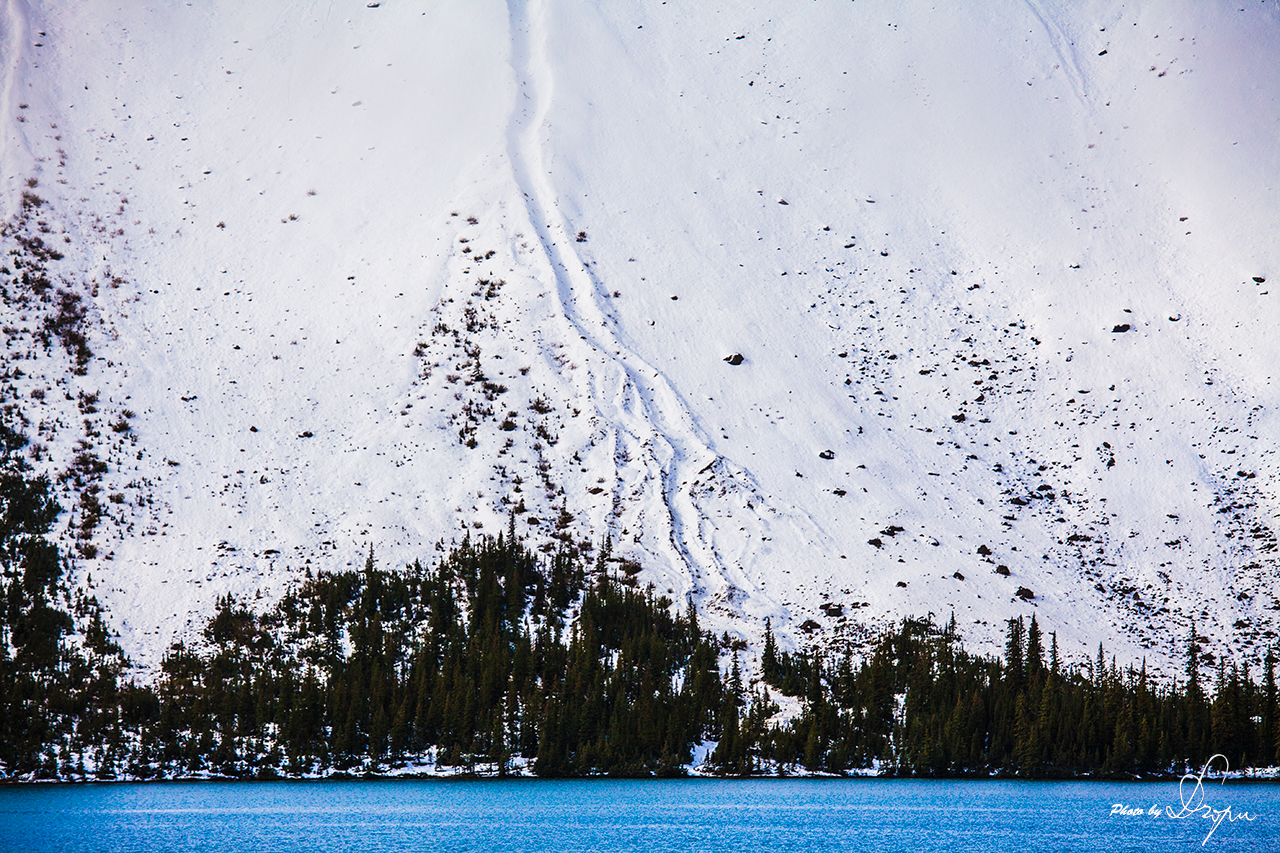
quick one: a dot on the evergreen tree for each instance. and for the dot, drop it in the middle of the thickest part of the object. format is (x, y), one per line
(769, 657)
(1035, 651)
(1015, 652)
(1270, 716)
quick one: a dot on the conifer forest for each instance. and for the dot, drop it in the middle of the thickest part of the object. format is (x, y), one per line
(495, 659)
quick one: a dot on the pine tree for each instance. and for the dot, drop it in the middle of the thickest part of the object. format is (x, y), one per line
(769, 657)
(1026, 737)
(1015, 652)
(1195, 708)
(1035, 651)
(1270, 712)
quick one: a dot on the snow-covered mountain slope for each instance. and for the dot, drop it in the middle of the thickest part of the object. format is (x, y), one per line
(999, 275)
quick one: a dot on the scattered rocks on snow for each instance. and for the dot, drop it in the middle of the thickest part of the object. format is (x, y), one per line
(1119, 328)
(1025, 594)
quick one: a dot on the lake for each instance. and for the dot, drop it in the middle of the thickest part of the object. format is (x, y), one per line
(650, 815)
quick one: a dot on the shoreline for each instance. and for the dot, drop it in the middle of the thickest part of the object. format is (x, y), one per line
(1261, 775)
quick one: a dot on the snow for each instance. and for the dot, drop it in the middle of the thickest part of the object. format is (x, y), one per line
(299, 181)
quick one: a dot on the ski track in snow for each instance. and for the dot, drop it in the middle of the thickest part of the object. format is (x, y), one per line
(637, 399)
(1064, 49)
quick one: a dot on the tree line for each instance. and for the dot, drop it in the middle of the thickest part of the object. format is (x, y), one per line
(919, 704)
(476, 662)
(496, 659)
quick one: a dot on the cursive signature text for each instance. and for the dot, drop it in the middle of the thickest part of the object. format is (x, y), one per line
(1193, 804)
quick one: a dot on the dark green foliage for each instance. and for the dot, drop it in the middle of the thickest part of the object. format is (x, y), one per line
(479, 662)
(59, 699)
(920, 705)
(495, 658)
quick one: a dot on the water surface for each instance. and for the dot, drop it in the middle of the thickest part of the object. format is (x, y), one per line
(668, 815)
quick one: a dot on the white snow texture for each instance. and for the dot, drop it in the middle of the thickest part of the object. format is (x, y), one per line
(1004, 278)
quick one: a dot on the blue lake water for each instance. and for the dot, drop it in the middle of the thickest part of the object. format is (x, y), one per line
(677, 815)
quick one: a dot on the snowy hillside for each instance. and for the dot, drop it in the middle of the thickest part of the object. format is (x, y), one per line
(361, 274)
